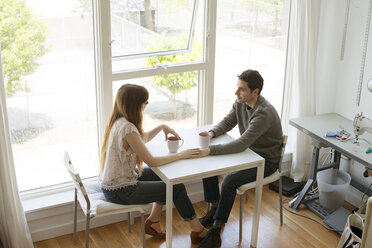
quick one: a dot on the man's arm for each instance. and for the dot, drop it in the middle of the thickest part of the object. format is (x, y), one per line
(259, 125)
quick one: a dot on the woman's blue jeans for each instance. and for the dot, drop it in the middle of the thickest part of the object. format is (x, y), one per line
(228, 190)
(150, 188)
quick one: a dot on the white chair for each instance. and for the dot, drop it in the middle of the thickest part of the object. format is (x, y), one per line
(245, 187)
(272, 178)
(93, 203)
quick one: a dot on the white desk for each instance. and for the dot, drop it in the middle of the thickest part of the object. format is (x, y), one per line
(190, 169)
(316, 127)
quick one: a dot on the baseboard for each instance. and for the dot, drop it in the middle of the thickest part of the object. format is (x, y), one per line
(55, 221)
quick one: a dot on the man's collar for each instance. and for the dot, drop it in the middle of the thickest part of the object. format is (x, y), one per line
(249, 107)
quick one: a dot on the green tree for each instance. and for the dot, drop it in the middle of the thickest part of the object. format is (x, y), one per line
(175, 83)
(22, 39)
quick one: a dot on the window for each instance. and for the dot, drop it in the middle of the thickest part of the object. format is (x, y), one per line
(159, 44)
(55, 107)
(56, 110)
(251, 34)
(174, 48)
(152, 34)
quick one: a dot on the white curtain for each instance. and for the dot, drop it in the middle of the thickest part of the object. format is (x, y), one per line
(14, 230)
(299, 96)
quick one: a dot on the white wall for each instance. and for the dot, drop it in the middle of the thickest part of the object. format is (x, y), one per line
(337, 80)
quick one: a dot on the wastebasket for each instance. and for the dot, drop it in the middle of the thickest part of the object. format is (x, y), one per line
(332, 185)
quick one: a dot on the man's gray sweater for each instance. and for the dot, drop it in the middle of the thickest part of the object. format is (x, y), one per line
(260, 129)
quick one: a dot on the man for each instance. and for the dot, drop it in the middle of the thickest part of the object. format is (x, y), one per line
(260, 130)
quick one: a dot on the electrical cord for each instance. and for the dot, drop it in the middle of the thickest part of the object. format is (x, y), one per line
(307, 217)
(364, 194)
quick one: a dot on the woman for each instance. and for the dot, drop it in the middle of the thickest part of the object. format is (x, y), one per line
(122, 177)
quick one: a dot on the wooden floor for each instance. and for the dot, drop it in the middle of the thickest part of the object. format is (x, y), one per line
(296, 231)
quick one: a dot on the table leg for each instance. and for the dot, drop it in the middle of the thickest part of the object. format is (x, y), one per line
(169, 215)
(312, 178)
(257, 204)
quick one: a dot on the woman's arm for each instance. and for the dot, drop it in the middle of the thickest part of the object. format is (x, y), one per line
(137, 145)
(148, 136)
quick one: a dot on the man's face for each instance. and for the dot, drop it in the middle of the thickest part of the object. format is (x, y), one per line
(243, 93)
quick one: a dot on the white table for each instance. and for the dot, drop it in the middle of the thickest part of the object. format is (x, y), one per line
(191, 169)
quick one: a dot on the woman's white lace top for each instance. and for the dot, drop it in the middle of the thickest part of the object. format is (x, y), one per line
(120, 163)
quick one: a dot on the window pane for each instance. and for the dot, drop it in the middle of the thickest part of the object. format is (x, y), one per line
(143, 26)
(177, 110)
(251, 34)
(171, 32)
(55, 111)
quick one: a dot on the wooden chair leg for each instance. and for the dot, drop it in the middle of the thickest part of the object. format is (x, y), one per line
(240, 217)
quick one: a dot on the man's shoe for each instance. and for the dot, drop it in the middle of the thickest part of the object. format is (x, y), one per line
(212, 240)
(207, 220)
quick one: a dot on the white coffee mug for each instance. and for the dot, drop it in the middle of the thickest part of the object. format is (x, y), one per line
(174, 144)
(204, 139)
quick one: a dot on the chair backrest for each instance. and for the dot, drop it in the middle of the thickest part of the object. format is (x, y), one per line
(79, 186)
(282, 150)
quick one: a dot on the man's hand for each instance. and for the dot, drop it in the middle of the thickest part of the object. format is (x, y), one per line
(211, 134)
(205, 152)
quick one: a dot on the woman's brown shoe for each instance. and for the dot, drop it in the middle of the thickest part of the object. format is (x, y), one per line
(195, 236)
(151, 231)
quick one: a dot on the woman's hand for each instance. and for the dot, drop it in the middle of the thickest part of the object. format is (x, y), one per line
(167, 130)
(190, 153)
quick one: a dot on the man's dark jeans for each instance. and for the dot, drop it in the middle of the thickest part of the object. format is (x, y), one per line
(228, 190)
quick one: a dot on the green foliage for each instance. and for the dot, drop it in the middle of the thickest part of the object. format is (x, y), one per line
(178, 82)
(22, 39)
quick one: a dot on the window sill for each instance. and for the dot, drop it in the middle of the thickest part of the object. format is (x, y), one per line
(48, 197)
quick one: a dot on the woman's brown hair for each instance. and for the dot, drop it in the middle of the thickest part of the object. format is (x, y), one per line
(128, 104)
